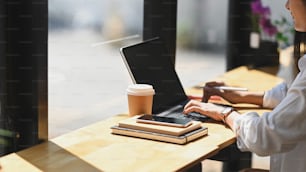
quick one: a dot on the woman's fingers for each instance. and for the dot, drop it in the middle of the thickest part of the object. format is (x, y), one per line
(208, 92)
(214, 83)
(207, 109)
(193, 109)
(195, 106)
(192, 103)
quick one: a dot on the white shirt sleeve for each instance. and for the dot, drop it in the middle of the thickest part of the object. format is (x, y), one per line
(281, 129)
(274, 96)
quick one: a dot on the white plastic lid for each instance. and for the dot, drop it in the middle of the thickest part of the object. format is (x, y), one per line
(140, 90)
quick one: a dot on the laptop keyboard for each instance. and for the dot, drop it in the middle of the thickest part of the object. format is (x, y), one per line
(177, 112)
(197, 117)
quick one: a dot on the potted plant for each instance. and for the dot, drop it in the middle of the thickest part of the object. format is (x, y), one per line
(267, 36)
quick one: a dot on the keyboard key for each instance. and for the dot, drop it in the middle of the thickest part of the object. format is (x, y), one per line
(198, 117)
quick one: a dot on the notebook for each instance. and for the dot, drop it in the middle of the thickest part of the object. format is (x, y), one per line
(149, 62)
(182, 139)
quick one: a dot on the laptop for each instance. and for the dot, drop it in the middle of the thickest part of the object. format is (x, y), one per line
(149, 62)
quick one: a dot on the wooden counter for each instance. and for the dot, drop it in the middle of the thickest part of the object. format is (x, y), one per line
(94, 148)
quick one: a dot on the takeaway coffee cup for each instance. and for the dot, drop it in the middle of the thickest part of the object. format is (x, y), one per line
(140, 99)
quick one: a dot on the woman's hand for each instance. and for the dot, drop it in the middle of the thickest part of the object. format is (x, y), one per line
(231, 96)
(209, 91)
(208, 109)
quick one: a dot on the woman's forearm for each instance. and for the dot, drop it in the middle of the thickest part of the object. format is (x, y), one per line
(251, 97)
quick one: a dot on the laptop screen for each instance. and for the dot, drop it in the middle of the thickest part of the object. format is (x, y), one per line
(149, 63)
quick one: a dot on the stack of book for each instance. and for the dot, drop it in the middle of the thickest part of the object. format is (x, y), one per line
(178, 135)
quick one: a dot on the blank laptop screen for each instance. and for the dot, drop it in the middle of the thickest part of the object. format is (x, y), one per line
(148, 62)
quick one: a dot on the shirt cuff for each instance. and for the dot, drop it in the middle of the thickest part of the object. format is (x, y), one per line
(240, 128)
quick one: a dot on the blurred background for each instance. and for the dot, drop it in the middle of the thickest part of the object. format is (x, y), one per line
(87, 77)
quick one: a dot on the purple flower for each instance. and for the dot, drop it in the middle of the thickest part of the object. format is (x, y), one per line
(261, 18)
(258, 9)
(267, 26)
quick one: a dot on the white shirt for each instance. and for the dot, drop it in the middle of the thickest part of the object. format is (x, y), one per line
(280, 133)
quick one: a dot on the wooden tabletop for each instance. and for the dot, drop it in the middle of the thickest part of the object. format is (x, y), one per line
(94, 148)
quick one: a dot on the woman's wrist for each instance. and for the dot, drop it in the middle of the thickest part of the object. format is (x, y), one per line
(229, 120)
(225, 113)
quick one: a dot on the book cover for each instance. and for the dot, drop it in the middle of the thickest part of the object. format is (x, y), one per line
(183, 139)
(131, 123)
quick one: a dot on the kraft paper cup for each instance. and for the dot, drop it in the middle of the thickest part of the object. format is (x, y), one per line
(140, 99)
